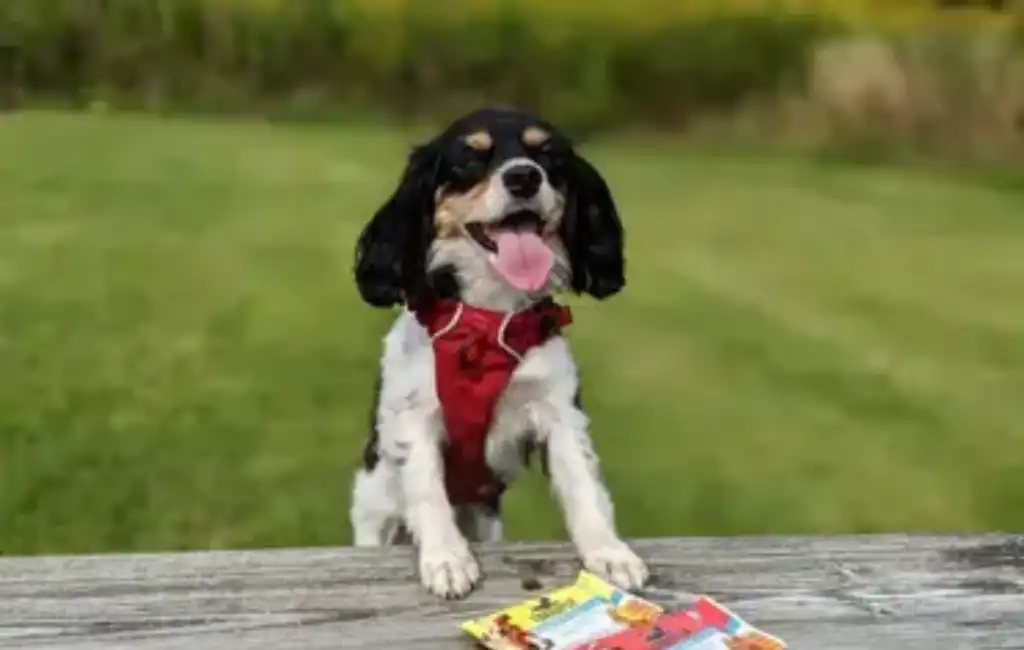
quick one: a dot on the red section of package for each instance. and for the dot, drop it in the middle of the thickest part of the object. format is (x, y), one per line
(706, 626)
(592, 614)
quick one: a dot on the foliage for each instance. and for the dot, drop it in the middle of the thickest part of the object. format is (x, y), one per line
(584, 64)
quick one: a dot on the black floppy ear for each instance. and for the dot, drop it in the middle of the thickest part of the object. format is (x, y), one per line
(592, 233)
(390, 259)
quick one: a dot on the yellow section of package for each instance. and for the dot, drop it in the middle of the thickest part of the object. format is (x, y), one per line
(511, 628)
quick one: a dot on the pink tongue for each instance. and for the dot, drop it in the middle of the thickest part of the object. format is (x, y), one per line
(523, 260)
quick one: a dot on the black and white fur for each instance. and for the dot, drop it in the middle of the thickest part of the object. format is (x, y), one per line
(418, 245)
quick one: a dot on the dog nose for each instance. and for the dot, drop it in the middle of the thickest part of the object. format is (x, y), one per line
(522, 181)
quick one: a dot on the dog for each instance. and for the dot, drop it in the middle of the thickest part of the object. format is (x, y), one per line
(490, 221)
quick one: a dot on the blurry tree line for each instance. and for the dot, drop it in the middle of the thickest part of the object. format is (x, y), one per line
(935, 75)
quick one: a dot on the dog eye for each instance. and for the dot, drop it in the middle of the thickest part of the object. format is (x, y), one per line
(475, 157)
(472, 164)
(547, 158)
(543, 150)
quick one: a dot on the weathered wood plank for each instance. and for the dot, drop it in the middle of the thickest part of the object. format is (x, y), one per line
(879, 592)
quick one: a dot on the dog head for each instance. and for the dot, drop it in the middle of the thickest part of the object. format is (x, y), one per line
(499, 210)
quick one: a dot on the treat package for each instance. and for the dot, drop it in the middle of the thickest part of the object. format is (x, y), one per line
(705, 626)
(567, 618)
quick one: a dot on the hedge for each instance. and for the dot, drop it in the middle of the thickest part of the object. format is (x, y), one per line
(585, 63)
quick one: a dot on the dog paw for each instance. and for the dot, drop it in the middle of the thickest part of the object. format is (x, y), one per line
(618, 564)
(450, 571)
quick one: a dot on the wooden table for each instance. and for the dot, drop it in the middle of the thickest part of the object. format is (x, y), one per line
(878, 593)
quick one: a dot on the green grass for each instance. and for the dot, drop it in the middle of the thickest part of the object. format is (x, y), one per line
(803, 347)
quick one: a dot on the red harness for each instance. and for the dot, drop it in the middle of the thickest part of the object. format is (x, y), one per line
(475, 353)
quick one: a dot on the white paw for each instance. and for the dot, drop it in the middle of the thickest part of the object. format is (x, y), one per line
(618, 564)
(449, 571)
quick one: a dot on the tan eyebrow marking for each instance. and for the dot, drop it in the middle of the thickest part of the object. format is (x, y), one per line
(534, 136)
(479, 140)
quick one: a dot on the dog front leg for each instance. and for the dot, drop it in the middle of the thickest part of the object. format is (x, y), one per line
(446, 565)
(589, 516)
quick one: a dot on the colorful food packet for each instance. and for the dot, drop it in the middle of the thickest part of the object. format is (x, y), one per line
(566, 618)
(705, 626)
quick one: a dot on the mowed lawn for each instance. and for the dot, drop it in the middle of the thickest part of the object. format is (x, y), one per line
(802, 347)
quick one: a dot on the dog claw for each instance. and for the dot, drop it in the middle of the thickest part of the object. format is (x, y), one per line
(449, 573)
(618, 564)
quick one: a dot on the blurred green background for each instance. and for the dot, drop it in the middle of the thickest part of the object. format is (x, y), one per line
(821, 331)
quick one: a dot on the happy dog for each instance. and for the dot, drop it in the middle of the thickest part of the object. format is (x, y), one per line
(490, 220)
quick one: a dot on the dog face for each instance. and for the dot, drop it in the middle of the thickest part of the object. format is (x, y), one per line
(499, 204)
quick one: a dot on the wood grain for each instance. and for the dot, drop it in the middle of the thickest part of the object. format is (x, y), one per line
(877, 592)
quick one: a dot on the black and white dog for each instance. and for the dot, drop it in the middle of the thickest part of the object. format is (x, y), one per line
(490, 219)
